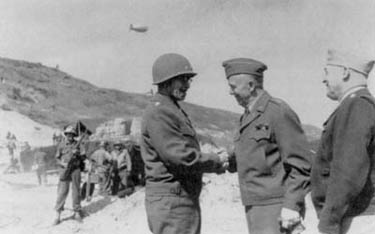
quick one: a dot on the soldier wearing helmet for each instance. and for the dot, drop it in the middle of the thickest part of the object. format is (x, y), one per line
(174, 163)
(124, 166)
(66, 150)
(101, 162)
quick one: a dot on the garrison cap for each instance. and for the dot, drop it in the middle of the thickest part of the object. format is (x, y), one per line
(341, 59)
(244, 66)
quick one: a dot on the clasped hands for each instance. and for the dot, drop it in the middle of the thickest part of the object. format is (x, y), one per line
(224, 158)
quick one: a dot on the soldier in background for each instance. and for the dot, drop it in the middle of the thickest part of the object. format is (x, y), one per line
(70, 156)
(101, 162)
(124, 168)
(41, 167)
(14, 166)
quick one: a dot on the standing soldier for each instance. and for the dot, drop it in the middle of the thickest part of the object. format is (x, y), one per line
(343, 175)
(41, 167)
(174, 163)
(69, 156)
(124, 167)
(270, 152)
(101, 159)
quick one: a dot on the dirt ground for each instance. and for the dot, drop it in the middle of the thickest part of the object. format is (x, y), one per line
(27, 208)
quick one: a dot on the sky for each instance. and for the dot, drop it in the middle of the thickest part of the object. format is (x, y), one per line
(91, 40)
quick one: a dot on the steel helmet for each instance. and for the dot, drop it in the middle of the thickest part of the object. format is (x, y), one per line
(70, 129)
(169, 66)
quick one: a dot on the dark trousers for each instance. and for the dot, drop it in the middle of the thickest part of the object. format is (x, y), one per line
(63, 191)
(172, 214)
(263, 219)
(103, 180)
(125, 179)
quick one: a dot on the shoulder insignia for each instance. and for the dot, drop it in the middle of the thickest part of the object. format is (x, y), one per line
(157, 103)
(277, 101)
(352, 95)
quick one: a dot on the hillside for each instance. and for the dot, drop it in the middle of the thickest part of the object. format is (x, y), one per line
(54, 98)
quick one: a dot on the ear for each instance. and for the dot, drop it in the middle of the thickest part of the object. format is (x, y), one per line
(252, 85)
(346, 74)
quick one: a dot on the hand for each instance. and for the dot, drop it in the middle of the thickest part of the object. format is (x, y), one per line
(224, 159)
(289, 218)
(75, 151)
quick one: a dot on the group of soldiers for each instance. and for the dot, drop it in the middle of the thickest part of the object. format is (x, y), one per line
(112, 171)
(270, 153)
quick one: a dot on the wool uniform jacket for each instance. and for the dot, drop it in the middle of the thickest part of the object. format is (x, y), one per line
(343, 176)
(271, 155)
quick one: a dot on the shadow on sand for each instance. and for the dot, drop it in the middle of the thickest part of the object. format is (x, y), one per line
(98, 205)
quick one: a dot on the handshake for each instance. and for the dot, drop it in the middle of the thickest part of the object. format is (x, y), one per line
(225, 159)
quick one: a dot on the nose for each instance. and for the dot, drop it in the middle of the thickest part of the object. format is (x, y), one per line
(187, 85)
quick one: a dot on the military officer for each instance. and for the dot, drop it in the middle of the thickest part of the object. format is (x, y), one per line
(66, 150)
(270, 152)
(343, 175)
(174, 163)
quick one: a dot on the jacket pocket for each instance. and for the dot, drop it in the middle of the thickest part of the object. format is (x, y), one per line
(260, 134)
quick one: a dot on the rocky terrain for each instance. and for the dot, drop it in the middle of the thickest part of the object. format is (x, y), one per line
(54, 98)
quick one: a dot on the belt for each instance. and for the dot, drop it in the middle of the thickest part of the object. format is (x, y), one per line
(164, 189)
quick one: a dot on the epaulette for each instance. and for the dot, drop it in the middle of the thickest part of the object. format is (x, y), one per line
(370, 99)
(277, 101)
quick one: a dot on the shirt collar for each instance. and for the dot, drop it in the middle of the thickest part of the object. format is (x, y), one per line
(250, 106)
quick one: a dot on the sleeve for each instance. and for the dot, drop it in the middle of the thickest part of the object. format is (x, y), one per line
(177, 148)
(350, 164)
(128, 160)
(295, 156)
(232, 168)
(58, 152)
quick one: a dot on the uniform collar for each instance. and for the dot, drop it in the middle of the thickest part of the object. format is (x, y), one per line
(351, 91)
(258, 107)
(164, 99)
(355, 91)
(261, 102)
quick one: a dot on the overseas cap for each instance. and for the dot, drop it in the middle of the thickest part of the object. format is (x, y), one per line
(244, 66)
(169, 66)
(338, 58)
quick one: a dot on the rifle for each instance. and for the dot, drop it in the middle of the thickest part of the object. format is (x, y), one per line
(74, 162)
